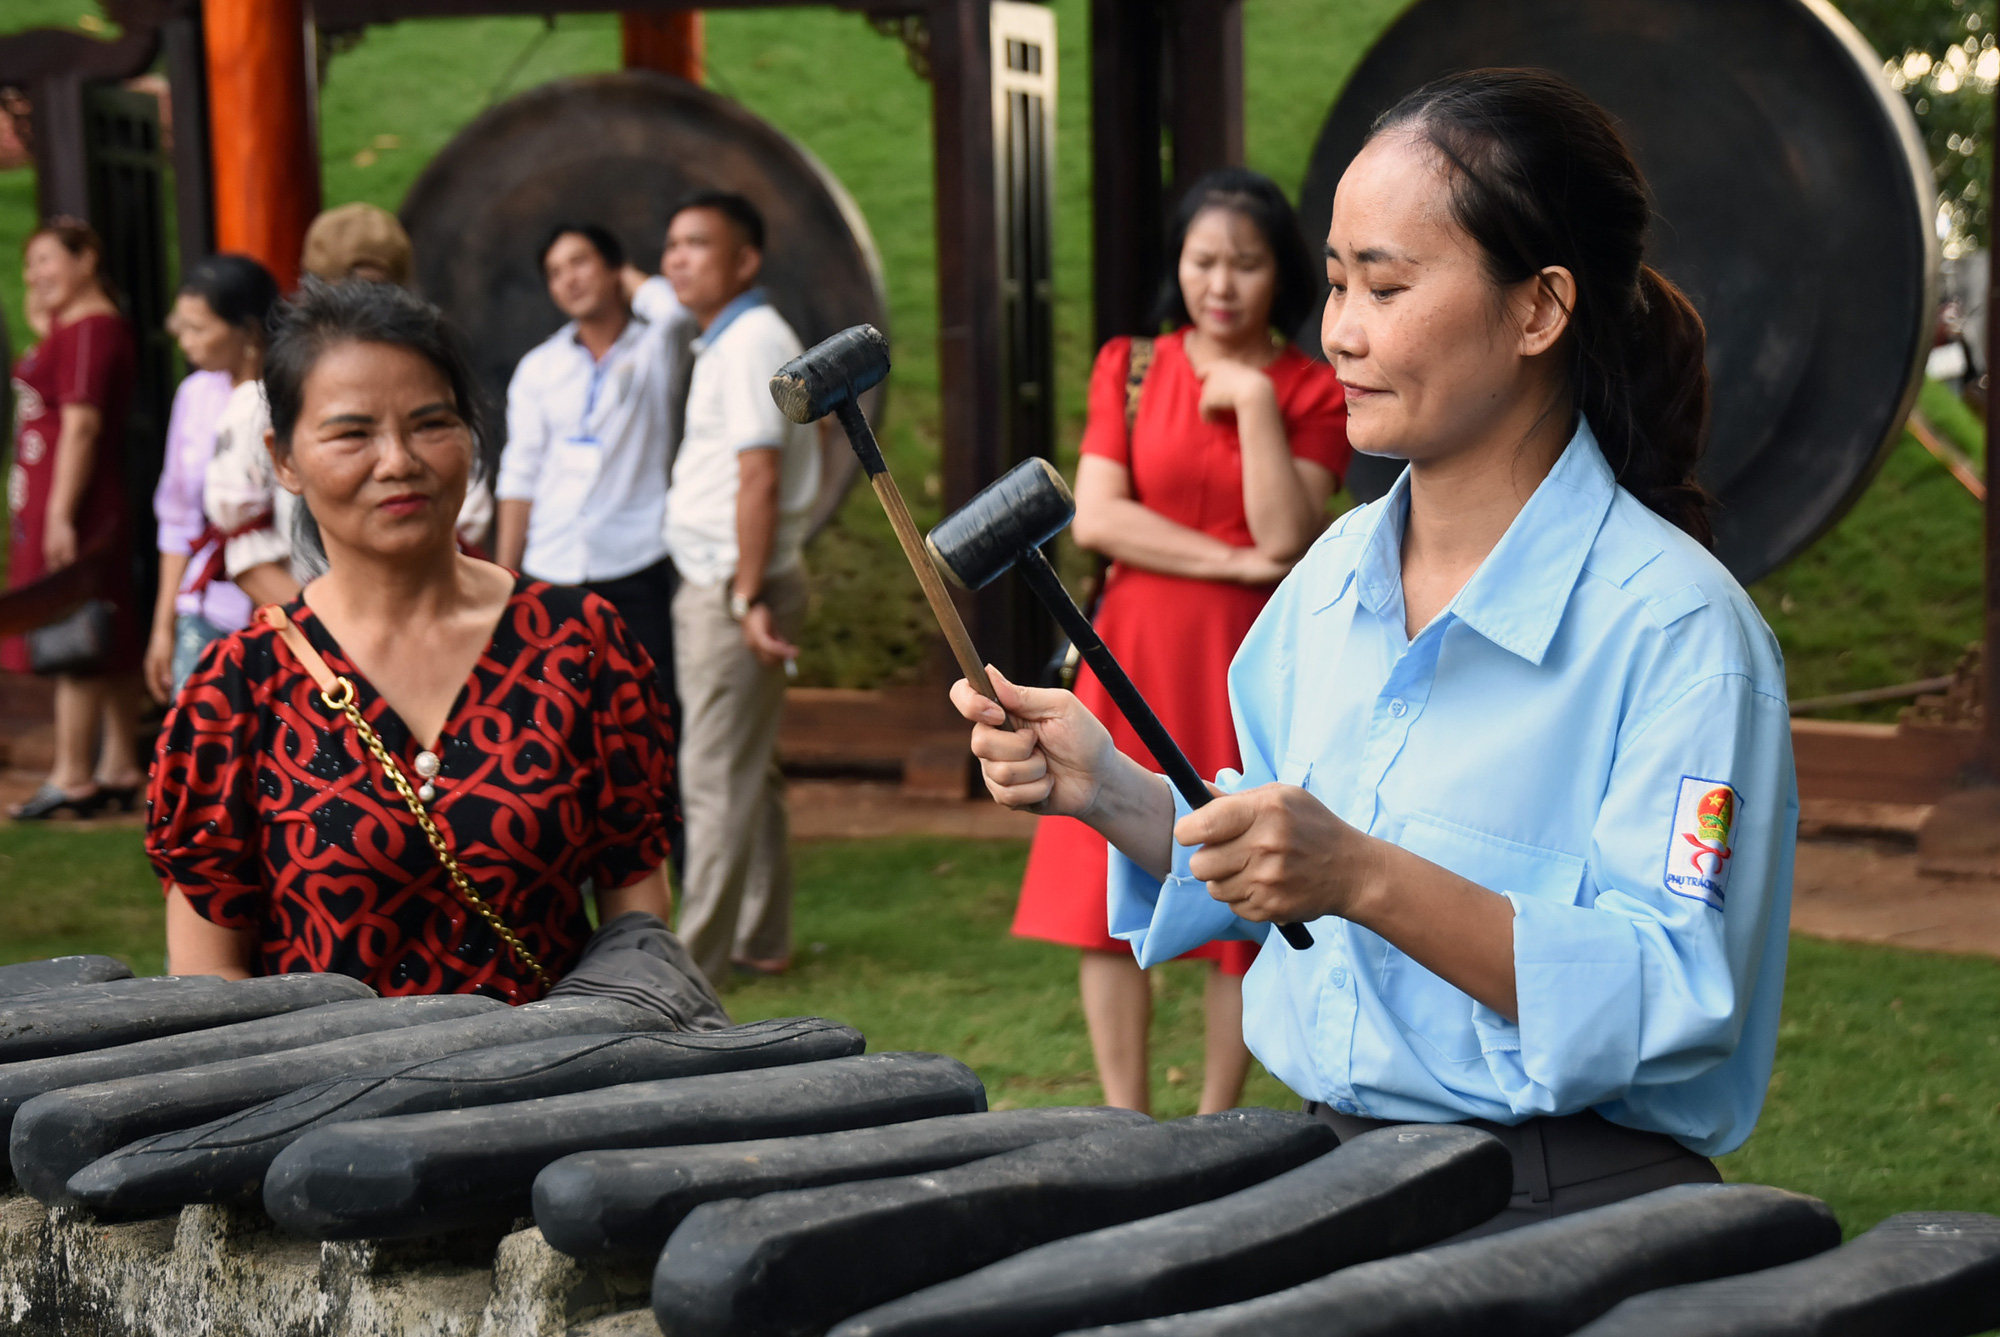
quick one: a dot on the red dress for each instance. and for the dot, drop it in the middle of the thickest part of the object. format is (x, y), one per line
(268, 813)
(1173, 635)
(88, 361)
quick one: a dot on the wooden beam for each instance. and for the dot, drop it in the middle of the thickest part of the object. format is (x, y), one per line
(355, 13)
(265, 161)
(1126, 224)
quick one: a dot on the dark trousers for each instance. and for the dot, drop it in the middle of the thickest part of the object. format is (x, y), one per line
(645, 600)
(1566, 1164)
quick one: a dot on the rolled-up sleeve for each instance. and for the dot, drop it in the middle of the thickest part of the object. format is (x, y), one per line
(1648, 978)
(1161, 919)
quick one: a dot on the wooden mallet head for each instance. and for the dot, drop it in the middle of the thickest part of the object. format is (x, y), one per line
(1016, 513)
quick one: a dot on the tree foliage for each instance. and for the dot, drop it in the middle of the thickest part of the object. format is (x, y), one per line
(1942, 56)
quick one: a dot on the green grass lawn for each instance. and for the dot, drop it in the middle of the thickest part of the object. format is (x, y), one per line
(1886, 1096)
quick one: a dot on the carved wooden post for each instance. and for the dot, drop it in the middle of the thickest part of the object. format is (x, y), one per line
(670, 41)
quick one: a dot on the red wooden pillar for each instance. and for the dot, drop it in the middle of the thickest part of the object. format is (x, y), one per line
(264, 158)
(668, 41)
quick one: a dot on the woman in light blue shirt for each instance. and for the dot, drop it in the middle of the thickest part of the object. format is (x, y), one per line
(1515, 744)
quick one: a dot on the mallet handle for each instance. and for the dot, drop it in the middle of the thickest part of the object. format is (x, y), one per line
(1048, 587)
(862, 437)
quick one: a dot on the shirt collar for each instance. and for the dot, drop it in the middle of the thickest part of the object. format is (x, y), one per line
(1517, 596)
(747, 301)
(572, 332)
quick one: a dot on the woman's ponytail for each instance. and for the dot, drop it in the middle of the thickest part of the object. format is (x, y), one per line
(1653, 413)
(1542, 178)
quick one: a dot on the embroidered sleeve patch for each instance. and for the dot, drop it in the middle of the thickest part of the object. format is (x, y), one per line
(1699, 848)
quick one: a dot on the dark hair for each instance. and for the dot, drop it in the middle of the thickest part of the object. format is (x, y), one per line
(735, 208)
(77, 237)
(1541, 178)
(238, 290)
(1257, 198)
(607, 246)
(324, 315)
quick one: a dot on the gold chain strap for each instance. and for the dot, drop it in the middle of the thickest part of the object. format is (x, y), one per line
(344, 703)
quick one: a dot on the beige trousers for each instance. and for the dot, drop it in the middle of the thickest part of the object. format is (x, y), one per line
(736, 897)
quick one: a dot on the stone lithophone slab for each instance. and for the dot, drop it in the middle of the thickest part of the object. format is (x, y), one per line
(1921, 1272)
(799, 1261)
(417, 1174)
(1383, 1193)
(22, 1082)
(801, 1187)
(57, 1134)
(226, 1160)
(60, 972)
(98, 1016)
(624, 1204)
(1551, 1277)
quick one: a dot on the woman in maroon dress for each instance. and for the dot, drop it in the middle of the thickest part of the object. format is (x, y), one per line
(518, 723)
(1205, 472)
(73, 393)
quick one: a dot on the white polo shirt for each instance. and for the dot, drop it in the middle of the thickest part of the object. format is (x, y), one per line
(729, 411)
(588, 442)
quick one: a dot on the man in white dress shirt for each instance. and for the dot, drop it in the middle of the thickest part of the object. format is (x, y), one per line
(744, 481)
(583, 478)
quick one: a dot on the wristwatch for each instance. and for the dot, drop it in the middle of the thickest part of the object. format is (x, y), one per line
(739, 606)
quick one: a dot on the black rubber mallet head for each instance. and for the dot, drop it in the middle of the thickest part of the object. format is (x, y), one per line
(1006, 526)
(830, 377)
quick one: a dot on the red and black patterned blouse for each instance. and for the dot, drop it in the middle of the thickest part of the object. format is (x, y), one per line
(269, 814)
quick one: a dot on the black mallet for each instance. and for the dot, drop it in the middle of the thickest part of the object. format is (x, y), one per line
(1006, 525)
(831, 377)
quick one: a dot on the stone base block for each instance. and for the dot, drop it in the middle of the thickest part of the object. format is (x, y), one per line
(227, 1272)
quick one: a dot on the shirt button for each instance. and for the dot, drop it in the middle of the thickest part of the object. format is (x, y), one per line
(1337, 977)
(1344, 1106)
(1399, 707)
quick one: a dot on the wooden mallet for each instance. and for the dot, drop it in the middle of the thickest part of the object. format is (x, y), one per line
(831, 377)
(1006, 526)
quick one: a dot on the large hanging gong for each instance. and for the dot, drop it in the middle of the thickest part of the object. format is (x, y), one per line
(1793, 203)
(620, 149)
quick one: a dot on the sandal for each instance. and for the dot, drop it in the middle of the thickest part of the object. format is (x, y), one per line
(50, 800)
(123, 798)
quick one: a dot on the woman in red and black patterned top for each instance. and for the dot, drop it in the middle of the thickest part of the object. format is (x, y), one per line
(526, 713)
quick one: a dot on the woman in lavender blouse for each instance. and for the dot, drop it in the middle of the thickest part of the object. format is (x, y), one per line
(218, 319)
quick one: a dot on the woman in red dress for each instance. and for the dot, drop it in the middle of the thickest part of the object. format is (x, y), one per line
(66, 500)
(1205, 472)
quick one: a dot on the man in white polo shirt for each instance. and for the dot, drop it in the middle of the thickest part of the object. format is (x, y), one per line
(743, 485)
(583, 479)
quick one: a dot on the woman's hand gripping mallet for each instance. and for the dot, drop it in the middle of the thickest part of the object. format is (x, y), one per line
(1006, 526)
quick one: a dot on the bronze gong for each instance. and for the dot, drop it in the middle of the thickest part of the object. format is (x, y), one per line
(620, 149)
(1794, 204)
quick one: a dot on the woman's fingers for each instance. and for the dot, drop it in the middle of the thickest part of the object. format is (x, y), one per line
(979, 709)
(1221, 819)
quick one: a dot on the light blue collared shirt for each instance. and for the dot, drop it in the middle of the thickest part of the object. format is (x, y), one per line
(1596, 728)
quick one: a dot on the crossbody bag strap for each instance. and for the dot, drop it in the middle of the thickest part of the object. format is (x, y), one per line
(337, 694)
(1141, 360)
